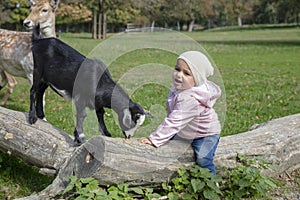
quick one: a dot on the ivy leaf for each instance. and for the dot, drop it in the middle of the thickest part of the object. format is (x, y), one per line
(68, 188)
(123, 187)
(153, 196)
(101, 193)
(138, 191)
(86, 180)
(166, 187)
(113, 194)
(149, 190)
(81, 198)
(72, 179)
(173, 196)
(209, 194)
(78, 184)
(187, 196)
(93, 185)
(244, 183)
(197, 185)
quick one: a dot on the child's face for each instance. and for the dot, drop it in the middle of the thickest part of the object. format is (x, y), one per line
(182, 76)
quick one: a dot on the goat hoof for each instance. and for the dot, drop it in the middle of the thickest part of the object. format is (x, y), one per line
(80, 140)
(32, 120)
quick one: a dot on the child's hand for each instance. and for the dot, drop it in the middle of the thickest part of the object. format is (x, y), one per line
(145, 141)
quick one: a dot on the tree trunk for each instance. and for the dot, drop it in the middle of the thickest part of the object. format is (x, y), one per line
(191, 25)
(100, 25)
(208, 23)
(116, 160)
(152, 25)
(102, 21)
(94, 24)
(239, 18)
(104, 29)
(41, 144)
(178, 26)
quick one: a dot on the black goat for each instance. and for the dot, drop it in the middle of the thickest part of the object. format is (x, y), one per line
(88, 82)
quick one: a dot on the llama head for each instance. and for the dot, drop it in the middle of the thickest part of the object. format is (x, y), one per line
(42, 12)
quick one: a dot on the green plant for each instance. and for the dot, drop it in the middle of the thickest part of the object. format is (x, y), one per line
(147, 193)
(88, 188)
(243, 181)
(246, 180)
(192, 183)
(84, 188)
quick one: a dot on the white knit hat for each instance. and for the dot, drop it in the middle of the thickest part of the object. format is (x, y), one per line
(199, 65)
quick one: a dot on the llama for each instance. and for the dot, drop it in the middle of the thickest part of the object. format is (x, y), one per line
(15, 51)
(86, 81)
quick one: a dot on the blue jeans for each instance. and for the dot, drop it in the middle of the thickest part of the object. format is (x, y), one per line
(204, 149)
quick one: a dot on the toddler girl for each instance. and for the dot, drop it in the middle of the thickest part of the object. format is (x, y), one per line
(190, 109)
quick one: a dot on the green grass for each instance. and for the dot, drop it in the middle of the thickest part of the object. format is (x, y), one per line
(261, 73)
(18, 179)
(260, 70)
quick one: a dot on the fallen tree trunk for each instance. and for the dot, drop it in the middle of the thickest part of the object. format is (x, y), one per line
(42, 144)
(115, 160)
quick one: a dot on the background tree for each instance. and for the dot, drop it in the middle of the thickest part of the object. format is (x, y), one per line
(208, 11)
(96, 16)
(121, 13)
(14, 12)
(72, 13)
(177, 12)
(288, 10)
(240, 8)
(222, 12)
(189, 11)
(151, 9)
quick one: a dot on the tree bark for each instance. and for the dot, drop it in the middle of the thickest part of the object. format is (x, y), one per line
(239, 19)
(191, 25)
(42, 144)
(116, 160)
(94, 24)
(104, 25)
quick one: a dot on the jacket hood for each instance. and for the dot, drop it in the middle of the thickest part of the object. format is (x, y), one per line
(207, 94)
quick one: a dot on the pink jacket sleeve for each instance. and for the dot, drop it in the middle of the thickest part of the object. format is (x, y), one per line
(185, 109)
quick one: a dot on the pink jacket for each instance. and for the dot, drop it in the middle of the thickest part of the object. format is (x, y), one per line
(190, 114)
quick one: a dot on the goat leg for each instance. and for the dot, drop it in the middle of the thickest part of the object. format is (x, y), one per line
(32, 112)
(102, 127)
(78, 132)
(39, 100)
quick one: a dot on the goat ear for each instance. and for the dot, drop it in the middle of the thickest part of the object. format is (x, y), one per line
(127, 118)
(32, 2)
(54, 4)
